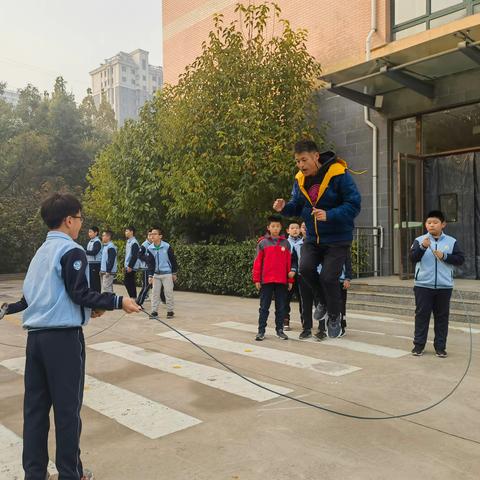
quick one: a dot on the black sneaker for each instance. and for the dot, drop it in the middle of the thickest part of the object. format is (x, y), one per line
(441, 353)
(260, 336)
(320, 335)
(154, 314)
(417, 351)
(305, 334)
(334, 325)
(281, 334)
(170, 314)
(320, 311)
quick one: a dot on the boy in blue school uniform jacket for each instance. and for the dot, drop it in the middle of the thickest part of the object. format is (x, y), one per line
(108, 264)
(132, 262)
(435, 255)
(94, 257)
(57, 302)
(162, 271)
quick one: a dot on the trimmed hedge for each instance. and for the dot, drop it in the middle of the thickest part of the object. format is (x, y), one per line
(217, 269)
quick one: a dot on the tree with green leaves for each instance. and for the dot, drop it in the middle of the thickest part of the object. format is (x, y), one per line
(221, 139)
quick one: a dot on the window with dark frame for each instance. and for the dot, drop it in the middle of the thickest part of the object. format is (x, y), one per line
(413, 16)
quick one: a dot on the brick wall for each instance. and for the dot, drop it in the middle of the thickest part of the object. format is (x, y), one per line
(337, 29)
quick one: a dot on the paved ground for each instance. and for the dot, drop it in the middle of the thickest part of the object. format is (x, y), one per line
(157, 408)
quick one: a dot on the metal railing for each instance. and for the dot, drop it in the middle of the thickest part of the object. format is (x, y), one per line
(366, 251)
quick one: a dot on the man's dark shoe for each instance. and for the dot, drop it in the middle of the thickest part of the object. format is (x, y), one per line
(441, 353)
(334, 325)
(320, 335)
(170, 314)
(281, 334)
(260, 336)
(320, 311)
(417, 351)
(305, 334)
(154, 314)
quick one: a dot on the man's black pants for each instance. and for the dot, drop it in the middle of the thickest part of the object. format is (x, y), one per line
(321, 288)
(267, 291)
(130, 284)
(94, 274)
(54, 376)
(428, 301)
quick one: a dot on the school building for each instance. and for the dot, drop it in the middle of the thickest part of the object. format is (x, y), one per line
(401, 93)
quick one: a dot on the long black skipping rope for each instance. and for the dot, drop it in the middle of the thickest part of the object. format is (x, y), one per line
(320, 407)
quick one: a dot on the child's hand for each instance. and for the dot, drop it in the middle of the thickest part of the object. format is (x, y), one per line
(291, 274)
(150, 280)
(258, 285)
(290, 286)
(3, 310)
(438, 254)
(97, 313)
(174, 277)
(426, 242)
(346, 284)
(129, 305)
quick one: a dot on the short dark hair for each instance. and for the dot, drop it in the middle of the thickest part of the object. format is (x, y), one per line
(306, 146)
(436, 214)
(109, 233)
(131, 228)
(293, 220)
(158, 229)
(94, 229)
(274, 218)
(57, 207)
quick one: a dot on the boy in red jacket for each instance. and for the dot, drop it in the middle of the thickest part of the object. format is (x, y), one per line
(273, 274)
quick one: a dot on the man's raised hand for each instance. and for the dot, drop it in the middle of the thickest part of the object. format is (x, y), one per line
(279, 204)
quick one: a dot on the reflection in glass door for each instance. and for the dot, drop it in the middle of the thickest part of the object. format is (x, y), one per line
(410, 208)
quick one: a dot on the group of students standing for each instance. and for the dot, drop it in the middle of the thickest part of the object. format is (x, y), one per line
(154, 259)
(276, 273)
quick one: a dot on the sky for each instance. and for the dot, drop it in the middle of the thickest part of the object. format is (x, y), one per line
(42, 39)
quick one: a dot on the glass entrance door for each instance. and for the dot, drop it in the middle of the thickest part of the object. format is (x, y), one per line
(410, 208)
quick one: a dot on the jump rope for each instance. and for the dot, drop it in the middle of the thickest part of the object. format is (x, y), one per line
(299, 400)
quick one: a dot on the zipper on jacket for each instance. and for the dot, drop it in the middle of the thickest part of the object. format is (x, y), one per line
(436, 263)
(316, 230)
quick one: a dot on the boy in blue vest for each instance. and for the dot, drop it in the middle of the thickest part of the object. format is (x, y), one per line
(132, 262)
(434, 255)
(296, 241)
(162, 272)
(57, 303)
(94, 257)
(108, 264)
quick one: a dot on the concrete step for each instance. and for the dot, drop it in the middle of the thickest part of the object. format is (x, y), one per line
(365, 286)
(404, 299)
(456, 315)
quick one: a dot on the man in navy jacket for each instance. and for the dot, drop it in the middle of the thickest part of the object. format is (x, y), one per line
(326, 197)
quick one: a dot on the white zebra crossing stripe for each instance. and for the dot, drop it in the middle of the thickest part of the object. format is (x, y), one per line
(355, 346)
(210, 376)
(11, 446)
(133, 411)
(282, 357)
